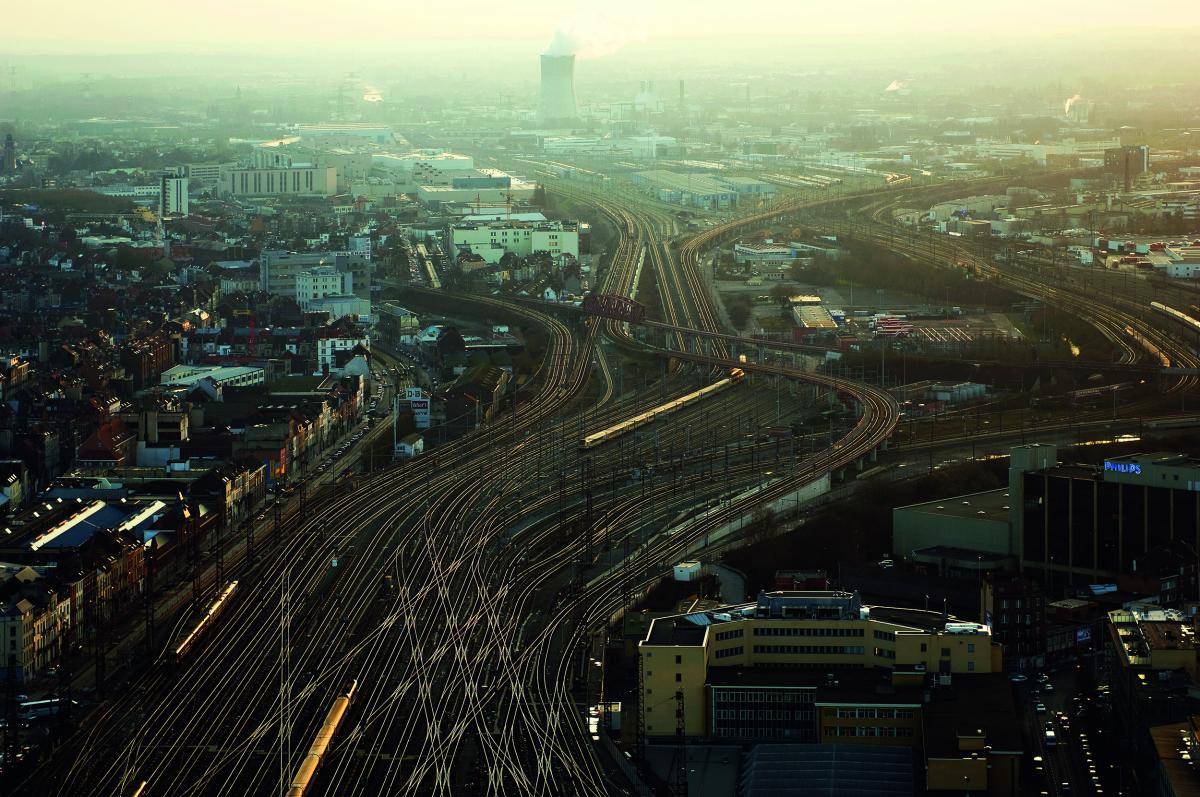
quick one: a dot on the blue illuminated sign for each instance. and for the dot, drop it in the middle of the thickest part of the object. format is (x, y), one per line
(1123, 467)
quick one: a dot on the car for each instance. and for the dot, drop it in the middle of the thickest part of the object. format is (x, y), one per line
(1047, 687)
(1018, 678)
(1051, 739)
(1040, 708)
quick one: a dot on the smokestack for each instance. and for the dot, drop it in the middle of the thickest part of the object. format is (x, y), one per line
(557, 101)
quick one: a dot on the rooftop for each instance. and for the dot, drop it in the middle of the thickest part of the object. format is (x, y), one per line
(1179, 765)
(689, 629)
(972, 705)
(989, 505)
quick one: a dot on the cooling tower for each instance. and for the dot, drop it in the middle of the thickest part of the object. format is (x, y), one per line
(558, 89)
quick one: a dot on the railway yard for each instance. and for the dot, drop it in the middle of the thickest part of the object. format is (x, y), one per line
(432, 630)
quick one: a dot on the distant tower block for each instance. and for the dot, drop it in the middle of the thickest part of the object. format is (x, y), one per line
(557, 102)
(8, 162)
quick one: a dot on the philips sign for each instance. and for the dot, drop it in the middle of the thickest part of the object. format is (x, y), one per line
(1123, 467)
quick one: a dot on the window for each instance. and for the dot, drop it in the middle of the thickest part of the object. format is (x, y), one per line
(924, 647)
(945, 653)
(678, 677)
(970, 666)
(970, 647)
(679, 659)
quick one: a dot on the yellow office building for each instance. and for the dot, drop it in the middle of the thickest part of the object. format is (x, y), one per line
(738, 673)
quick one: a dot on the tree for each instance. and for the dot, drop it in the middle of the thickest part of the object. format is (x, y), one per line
(739, 310)
(783, 291)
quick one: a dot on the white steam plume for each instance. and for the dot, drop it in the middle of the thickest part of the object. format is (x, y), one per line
(1070, 103)
(593, 34)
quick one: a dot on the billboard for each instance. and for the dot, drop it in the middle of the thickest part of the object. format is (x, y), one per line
(418, 402)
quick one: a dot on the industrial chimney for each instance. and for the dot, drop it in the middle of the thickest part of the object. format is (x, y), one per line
(557, 103)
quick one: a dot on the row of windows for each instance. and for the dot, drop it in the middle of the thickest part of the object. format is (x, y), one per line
(884, 653)
(812, 650)
(760, 714)
(887, 636)
(724, 654)
(821, 631)
(870, 730)
(762, 732)
(762, 696)
(737, 633)
(874, 713)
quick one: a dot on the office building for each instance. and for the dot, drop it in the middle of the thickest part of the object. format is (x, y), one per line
(207, 173)
(746, 672)
(1127, 163)
(317, 283)
(279, 269)
(172, 196)
(1064, 524)
(1083, 523)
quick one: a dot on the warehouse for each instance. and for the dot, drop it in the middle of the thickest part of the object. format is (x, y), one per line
(689, 190)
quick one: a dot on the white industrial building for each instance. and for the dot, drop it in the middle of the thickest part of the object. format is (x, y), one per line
(749, 188)
(134, 192)
(341, 306)
(346, 133)
(492, 240)
(767, 252)
(222, 376)
(689, 190)
(206, 172)
(429, 167)
(642, 147)
(517, 191)
(287, 181)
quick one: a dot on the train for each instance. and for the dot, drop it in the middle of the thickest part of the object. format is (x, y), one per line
(184, 649)
(39, 709)
(1149, 347)
(320, 746)
(736, 375)
(1183, 318)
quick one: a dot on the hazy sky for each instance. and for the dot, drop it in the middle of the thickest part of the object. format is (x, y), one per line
(278, 27)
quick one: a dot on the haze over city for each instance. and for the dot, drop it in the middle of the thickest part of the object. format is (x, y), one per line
(668, 398)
